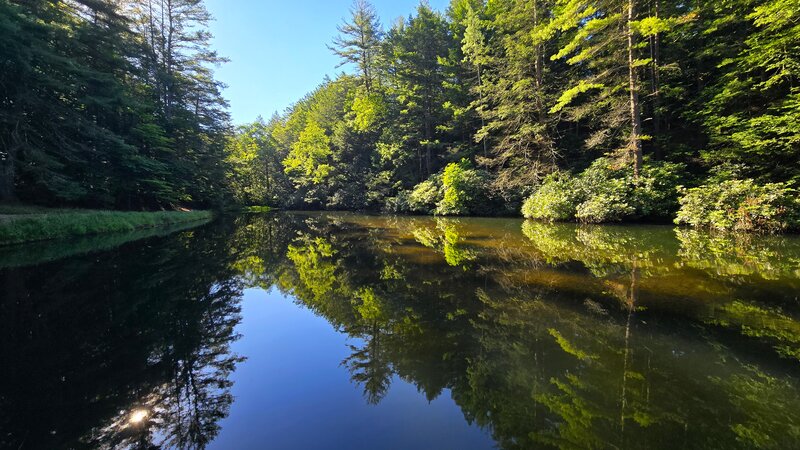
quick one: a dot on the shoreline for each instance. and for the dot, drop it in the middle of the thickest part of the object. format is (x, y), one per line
(46, 225)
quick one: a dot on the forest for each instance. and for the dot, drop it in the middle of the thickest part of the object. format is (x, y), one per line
(559, 110)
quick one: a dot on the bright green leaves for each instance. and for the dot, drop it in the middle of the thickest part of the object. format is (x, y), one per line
(570, 95)
(583, 41)
(309, 159)
(474, 43)
(461, 187)
(752, 110)
(367, 111)
(741, 205)
(651, 26)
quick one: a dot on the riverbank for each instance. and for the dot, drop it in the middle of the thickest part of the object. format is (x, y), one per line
(20, 224)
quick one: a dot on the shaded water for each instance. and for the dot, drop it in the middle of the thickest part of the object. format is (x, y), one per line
(353, 331)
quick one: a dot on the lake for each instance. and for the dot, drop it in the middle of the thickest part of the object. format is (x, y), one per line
(347, 331)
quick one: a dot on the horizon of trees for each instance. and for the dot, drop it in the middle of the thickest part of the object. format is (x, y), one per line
(510, 92)
(593, 110)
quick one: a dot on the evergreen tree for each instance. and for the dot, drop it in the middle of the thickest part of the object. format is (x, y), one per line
(359, 42)
(513, 97)
(416, 49)
(752, 110)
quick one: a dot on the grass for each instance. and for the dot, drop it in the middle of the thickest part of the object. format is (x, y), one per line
(20, 224)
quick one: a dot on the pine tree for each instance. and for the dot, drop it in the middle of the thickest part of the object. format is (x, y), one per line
(416, 49)
(751, 112)
(359, 42)
(513, 94)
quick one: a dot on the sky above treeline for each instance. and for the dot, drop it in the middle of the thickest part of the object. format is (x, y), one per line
(278, 49)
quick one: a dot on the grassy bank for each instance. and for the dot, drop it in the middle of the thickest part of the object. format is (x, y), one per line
(26, 224)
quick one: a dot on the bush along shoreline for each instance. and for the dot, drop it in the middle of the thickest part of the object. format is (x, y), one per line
(60, 224)
(604, 193)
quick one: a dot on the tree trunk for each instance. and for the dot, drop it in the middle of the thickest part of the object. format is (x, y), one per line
(428, 138)
(483, 120)
(268, 184)
(656, 85)
(538, 51)
(635, 144)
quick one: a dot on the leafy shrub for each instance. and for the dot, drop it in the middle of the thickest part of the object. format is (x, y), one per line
(464, 190)
(556, 200)
(426, 195)
(611, 201)
(605, 192)
(741, 205)
(397, 204)
(656, 194)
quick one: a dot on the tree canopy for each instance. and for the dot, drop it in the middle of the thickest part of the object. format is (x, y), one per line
(112, 104)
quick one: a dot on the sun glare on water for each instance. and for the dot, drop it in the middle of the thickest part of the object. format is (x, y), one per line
(138, 416)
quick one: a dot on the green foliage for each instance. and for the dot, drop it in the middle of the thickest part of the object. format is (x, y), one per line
(751, 109)
(359, 42)
(255, 173)
(464, 190)
(606, 192)
(571, 94)
(115, 105)
(367, 111)
(555, 200)
(741, 205)
(308, 161)
(425, 196)
(611, 202)
(63, 224)
(98, 107)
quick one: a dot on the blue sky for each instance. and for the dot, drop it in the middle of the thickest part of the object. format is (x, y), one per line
(278, 48)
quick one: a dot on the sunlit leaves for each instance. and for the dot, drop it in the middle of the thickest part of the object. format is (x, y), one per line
(309, 158)
(571, 94)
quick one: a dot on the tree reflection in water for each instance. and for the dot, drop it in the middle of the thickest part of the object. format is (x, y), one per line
(562, 336)
(123, 349)
(546, 335)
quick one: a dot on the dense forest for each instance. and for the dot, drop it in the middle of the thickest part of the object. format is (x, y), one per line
(110, 104)
(594, 110)
(587, 110)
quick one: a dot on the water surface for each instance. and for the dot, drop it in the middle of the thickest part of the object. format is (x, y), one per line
(351, 331)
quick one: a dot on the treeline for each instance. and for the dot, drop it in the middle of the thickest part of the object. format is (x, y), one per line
(588, 110)
(110, 104)
(591, 110)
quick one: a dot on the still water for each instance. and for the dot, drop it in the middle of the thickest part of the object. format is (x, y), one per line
(345, 331)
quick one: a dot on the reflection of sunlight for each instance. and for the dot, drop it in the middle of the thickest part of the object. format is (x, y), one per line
(138, 416)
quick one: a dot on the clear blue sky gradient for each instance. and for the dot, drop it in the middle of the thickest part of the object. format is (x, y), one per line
(278, 48)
